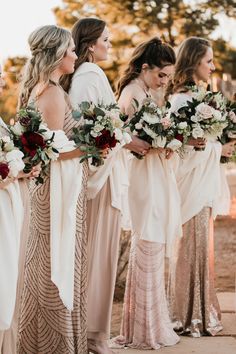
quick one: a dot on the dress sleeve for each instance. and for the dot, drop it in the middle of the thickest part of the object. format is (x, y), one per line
(85, 87)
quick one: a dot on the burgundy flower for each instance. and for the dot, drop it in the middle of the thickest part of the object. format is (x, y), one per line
(25, 121)
(4, 170)
(179, 137)
(31, 142)
(105, 140)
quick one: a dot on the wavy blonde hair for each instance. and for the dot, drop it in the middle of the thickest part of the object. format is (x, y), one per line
(189, 55)
(48, 46)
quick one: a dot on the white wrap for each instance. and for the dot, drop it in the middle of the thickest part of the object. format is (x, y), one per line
(11, 218)
(198, 173)
(65, 187)
(89, 83)
(155, 201)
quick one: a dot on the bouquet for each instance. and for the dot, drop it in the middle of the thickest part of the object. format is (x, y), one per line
(102, 130)
(205, 114)
(153, 125)
(11, 159)
(229, 132)
(33, 138)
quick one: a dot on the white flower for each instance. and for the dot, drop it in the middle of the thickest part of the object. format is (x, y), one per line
(174, 144)
(6, 139)
(18, 129)
(127, 138)
(182, 125)
(151, 118)
(15, 162)
(197, 132)
(150, 132)
(219, 100)
(99, 118)
(138, 126)
(98, 128)
(88, 121)
(159, 141)
(94, 134)
(194, 119)
(199, 94)
(204, 111)
(118, 134)
(217, 115)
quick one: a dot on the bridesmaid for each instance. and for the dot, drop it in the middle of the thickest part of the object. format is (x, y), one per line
(13, 214)
(154, 205)
(53, 309)
(105, 186)
(192, 297)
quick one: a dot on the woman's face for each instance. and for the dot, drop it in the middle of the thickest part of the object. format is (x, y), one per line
(67, 64)
(99, 50)
(2, 81)
(205, 67)
(157, 77)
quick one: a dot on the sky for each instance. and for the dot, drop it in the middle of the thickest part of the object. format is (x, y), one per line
(20, 17)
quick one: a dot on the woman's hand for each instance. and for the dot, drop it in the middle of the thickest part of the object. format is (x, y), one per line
(199, 143)
(32, 174)
(6, 182)
(139, 146)
(228, 149)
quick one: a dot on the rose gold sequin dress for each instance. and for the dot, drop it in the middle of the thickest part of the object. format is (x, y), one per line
(46, 326)
(193, 303)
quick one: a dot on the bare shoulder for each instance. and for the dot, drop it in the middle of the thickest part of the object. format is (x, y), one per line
(53, 105)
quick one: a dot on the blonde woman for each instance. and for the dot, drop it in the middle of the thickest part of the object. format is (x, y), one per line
(53, 309)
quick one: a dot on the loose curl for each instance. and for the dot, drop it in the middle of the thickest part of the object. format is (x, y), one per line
(153, 52)
(85, 33)
(190, 53)
(48, 46)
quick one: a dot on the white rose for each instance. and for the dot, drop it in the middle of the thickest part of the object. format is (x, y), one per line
(159, 141)
(138, 126)
(194, 119)
(98, 128)
(182, 125)
(94, 134)
(199, 94)
(9, 146)
(217, 115)
(197, 133)
(6, 139)
(151, 118)
(150, 132)
(174, 144)
(15, 162)
(204, 111)
(18, 129)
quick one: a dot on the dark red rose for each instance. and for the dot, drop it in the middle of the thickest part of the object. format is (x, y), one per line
(31, 142)
(105, 140)
(4, 170)
(179, 137)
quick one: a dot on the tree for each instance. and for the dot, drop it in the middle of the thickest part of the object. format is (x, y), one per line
(12, 69)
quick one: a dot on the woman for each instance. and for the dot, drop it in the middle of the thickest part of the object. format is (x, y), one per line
(193, 302)
(154, 205)
(53, 310)
(106, 184)
(13, 214)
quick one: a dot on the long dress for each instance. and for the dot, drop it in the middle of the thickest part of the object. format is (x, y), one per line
(154, 207)
(193, 303)
(46, 325)
(13, 194)
(105, 187)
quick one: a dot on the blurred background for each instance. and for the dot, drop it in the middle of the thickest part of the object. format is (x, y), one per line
(129, 22)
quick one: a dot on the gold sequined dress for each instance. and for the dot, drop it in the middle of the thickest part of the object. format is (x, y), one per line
(46, 326)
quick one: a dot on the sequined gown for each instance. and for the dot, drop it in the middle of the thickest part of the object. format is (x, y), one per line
(46, 326)
(193, 304)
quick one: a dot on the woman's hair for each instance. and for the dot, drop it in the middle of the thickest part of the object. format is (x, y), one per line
(85, 33)
(190, 53)
(153, 52)
(48, 46)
